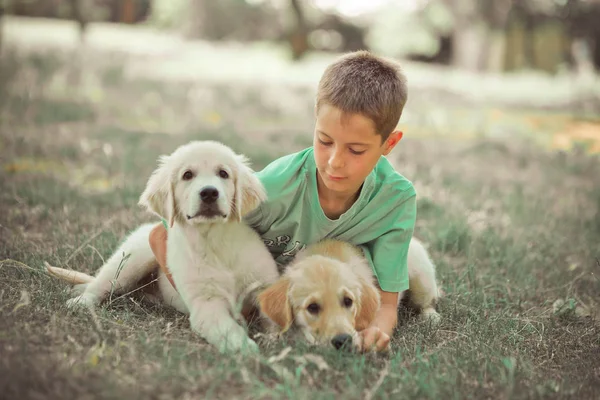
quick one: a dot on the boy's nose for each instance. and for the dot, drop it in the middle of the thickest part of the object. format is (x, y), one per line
(336, 161)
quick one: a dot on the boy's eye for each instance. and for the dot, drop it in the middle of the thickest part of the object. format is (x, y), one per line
(357, 152)
(325, 143)
(313, 308)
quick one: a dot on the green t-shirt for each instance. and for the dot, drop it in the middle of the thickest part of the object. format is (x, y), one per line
(381, 221)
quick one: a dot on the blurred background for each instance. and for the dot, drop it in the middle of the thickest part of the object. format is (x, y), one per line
(500, 69)
(487, 35)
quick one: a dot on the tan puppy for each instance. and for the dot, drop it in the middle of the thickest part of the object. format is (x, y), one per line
(329, 292)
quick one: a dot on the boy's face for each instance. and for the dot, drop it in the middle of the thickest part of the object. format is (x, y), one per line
(347, 149)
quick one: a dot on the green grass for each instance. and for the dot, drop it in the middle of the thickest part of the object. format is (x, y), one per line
(511, 227)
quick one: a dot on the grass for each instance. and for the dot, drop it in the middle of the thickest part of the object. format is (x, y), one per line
(512, 227)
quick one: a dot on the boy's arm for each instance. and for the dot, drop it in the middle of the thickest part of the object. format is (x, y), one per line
(388, 255)
(158, 244)
(377, 335)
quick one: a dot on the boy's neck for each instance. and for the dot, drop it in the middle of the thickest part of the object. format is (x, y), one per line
(335, 204)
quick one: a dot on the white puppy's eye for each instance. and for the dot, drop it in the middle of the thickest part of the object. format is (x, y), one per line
(313, 308)
(223, 174)
(347, 302)
(187, 175)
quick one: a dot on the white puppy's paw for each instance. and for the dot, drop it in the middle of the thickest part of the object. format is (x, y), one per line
(236, 343)
(431, 316)
(83, 300)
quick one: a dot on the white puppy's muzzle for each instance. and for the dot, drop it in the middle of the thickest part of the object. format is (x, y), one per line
(207, 203)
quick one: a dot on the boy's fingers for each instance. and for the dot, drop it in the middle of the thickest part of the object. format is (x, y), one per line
(368, 339)
(383, 343)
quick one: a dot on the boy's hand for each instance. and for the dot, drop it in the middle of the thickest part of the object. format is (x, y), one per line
(375, 339)
(377, 336)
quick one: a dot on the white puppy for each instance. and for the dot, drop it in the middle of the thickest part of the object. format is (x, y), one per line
(203, 189)
(329, 294)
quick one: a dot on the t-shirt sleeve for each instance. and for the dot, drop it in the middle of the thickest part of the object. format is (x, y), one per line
(388, 254)
(276, 178)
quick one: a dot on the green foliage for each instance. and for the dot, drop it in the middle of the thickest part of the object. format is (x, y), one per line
(168, 13)
(396, 32)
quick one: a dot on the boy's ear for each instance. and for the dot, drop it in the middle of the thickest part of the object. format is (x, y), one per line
(392, 141)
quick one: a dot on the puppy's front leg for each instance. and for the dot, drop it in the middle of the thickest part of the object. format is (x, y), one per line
(212, 320)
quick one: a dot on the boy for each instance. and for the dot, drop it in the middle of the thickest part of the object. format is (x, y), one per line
(342, 187)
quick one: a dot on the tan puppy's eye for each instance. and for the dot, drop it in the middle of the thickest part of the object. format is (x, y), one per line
(223, 174)
(313, 308)
(187, 175)
(347, 302)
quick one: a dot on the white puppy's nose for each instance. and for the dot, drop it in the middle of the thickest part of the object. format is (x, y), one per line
(209, 194)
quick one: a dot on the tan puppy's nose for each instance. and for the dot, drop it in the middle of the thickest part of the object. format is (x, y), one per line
(342, 340)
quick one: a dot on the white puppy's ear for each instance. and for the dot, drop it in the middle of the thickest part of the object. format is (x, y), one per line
(274, 303)
(249, 191)
(159, 196)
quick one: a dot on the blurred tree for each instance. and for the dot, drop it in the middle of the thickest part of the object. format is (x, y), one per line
(583, 23)
(492, 35)
(478, 39)
(83, 11)
(351, 35)
(1, 24)
(298, 37)
(78, 8)
(314, 29)
(423, 34)
(227, 19)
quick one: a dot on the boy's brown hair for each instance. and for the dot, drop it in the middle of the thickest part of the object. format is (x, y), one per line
(363, 83)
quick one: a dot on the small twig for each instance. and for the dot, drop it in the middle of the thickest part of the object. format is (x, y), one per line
(75, 343)
(568, 284)
(432, 351)
(97, 252)
(119, 270)
(140, 306)
(15, 263)
(94, 236)
(97, 326)
(384, 372)
(133, 291)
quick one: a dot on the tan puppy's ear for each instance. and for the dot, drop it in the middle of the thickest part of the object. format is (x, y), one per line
(249, 191)
(370, 301)
(158, 197)
(274, 303)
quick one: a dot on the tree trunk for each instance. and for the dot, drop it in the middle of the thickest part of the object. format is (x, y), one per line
(299, 36)
(479, 36)
(467, 34)
(1, 26)
(496, 51)
(495, 14)
(467, 46)
(78, 11)
(194, 25)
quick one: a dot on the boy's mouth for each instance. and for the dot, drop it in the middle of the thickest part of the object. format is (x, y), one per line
(335, 178)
